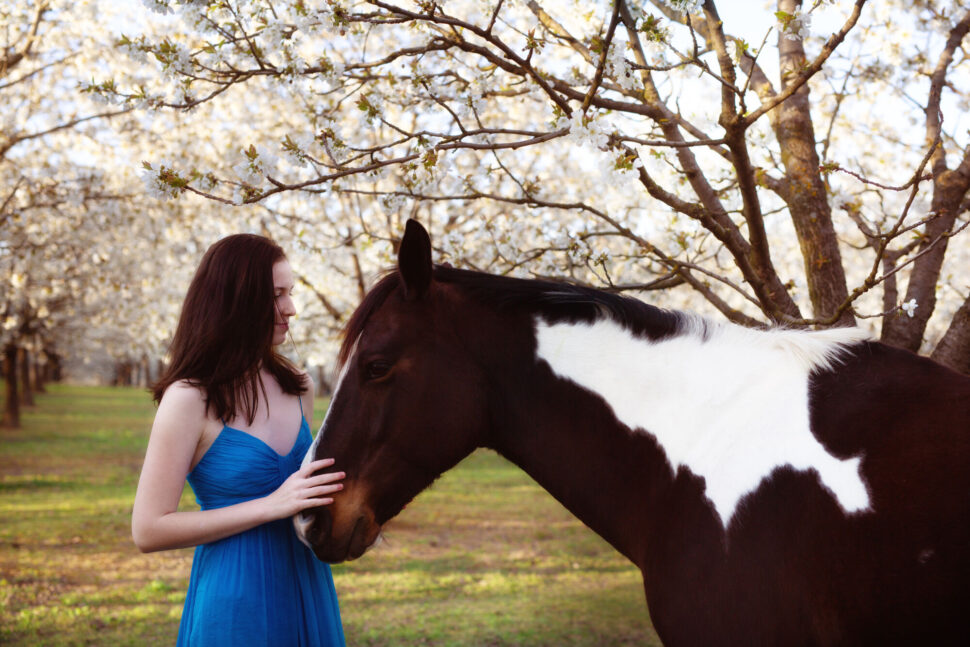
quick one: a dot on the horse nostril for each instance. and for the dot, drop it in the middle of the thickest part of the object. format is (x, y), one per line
(320, 530)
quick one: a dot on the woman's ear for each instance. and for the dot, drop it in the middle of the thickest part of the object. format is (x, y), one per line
(414, 260)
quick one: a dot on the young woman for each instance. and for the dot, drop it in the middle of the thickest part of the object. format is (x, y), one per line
(233, 419)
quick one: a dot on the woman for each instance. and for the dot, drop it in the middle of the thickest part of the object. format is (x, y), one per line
(233, 419)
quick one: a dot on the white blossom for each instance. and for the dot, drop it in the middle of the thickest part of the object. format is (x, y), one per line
(584, 130)
(797, 26)
(619, 68)
(156, 186)
(909, 307)
(158, 6)
(687, 6)
(840, 200)
(452, 244)
(393, 202)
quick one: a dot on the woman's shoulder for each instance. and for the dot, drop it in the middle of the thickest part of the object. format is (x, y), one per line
(182, 413)
(185, 388)
(184, 395)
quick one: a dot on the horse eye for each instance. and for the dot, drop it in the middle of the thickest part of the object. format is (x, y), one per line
(377, 369)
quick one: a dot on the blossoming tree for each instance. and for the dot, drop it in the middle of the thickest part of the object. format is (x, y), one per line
(636, 146)
(809, 168)
(79, 239)
(46, 192)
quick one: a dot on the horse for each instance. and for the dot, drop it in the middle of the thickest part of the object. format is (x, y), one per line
(775, 487)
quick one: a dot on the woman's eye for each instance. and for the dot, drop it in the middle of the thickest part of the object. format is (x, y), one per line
(376, 369)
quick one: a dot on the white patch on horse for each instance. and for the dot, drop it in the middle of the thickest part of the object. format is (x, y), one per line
(299, 522)
(732, 408)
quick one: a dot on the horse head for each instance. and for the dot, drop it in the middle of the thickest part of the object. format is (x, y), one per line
(406, 408)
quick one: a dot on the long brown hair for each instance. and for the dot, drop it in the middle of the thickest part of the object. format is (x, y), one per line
(225, 331)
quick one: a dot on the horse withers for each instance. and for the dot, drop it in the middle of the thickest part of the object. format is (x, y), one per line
(775, 487)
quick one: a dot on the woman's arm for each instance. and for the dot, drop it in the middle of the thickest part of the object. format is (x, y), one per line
(156, 523)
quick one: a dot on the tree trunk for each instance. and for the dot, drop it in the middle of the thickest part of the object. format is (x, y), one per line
(905, 331)
(39, 372)
(123, 373)
(949, 188)
(954, 348)
(26, 388)
(807, 199)
(55, 370)
(11, 413)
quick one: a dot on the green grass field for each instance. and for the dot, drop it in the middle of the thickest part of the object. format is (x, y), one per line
(485, 557)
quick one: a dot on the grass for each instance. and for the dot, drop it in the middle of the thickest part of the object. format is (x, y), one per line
(485, 557)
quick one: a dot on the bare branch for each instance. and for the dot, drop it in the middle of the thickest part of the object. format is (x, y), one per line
(322, 298)
(9, 198)
(601, 66)
(8, 63)
(812, 68)
(65, 126)
(556, 30)
(934, 116)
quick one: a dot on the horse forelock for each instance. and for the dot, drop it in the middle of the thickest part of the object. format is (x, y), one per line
(373, 300)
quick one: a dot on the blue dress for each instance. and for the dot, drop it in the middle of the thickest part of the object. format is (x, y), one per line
(261, 587)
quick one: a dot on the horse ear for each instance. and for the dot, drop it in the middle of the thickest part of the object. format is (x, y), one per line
(414, 260)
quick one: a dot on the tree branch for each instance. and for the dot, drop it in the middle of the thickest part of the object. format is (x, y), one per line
(812, 68)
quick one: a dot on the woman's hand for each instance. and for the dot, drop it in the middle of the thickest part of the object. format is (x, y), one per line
(302, 490)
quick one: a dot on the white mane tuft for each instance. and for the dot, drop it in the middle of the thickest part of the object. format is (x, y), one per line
(810, 348)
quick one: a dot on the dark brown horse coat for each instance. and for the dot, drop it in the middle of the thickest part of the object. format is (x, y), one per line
(774, 487)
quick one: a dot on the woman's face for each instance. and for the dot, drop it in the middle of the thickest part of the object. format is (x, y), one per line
(283, 294)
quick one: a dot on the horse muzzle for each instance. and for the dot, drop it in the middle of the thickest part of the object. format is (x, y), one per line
(337, 535)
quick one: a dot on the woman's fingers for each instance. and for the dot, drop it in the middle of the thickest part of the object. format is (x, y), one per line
(313, 466)
(310, 490)
(323, 489)
(321, 479)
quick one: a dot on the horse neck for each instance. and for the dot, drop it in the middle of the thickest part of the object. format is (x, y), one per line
(597, 470)
(570, 441)
(633, 435)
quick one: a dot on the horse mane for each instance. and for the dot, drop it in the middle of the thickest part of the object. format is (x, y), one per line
(554, 301)
(566, 302)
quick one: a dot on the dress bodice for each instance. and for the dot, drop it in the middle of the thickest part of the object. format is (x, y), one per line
(238, 467)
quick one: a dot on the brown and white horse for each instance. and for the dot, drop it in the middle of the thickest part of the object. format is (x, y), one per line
(774, 487)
